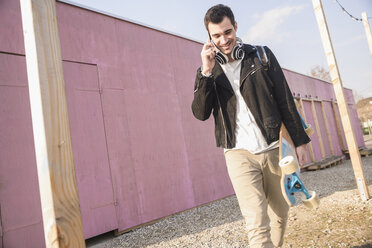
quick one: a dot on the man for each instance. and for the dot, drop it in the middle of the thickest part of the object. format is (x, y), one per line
(249, 102)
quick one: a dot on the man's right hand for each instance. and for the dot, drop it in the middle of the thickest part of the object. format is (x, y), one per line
(207, 56)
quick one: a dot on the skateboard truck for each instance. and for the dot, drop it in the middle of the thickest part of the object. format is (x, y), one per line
(293, 184)
(296, 185)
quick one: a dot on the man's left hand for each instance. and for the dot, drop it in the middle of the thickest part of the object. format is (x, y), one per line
(301, 152)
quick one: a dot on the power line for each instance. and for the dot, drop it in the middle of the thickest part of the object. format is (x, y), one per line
(350, 15)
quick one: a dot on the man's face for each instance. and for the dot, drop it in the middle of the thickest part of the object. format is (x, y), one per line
(223, 35)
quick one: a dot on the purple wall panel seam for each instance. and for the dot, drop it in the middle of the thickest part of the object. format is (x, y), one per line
(107, 146)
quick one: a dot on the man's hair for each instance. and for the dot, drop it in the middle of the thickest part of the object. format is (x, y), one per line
(216, 14)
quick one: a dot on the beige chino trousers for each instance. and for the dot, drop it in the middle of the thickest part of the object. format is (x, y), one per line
(256, 182)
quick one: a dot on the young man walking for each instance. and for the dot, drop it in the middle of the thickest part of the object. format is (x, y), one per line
(249, 100)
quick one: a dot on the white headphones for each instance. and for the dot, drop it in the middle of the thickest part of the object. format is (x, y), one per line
(237, 52)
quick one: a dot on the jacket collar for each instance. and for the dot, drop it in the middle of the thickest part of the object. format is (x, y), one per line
(248, 49)
(219, 75)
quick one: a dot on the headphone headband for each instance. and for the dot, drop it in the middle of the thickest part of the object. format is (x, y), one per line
(237, 52)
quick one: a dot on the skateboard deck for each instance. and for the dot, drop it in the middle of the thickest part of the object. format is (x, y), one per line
(290, 180)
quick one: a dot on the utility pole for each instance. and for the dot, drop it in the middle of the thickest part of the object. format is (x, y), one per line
(368, 31)
(340, 96)
(55, 165)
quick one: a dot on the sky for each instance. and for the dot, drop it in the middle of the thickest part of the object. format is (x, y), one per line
(288, 27)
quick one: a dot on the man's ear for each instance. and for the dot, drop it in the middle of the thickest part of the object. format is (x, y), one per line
(236, 26)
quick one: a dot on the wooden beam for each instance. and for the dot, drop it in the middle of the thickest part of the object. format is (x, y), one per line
(367, 28)
(55, 164)
(319, 134)
(338, 125)
(340, 95)
(310, 145)
(327, 129)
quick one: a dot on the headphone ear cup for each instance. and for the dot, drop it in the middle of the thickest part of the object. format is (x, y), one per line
(238, 52)
(221, 58)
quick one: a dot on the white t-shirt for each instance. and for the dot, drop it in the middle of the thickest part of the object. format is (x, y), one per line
(248, 135)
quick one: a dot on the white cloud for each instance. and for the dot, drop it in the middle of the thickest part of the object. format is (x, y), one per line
(267, 27)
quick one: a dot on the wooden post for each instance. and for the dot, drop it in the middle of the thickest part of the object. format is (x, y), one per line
(55, 164)
(319, 134)
(327, 129)
(310, 145)
(339, 92)
(368, 31)
(338, 126)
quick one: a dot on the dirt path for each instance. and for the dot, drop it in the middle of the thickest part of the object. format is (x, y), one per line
(342, 220)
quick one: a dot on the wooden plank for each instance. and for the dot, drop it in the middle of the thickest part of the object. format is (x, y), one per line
(366, 152)
(318, 129)
(310, 145)
(327, 129)
(331, 121)
(368, 31)
(55, 164)
(324, 163)
(338, 125)
(323, 130)
(340, 95)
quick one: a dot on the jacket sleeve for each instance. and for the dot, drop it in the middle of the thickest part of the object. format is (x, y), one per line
(286, 104)
(204, 94)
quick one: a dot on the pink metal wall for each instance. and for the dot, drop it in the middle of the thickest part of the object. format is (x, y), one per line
(309, 88)
(19, 192)
(315, 143)
(322, 128)
(332, 128)
(89, 146)
(161, 160)
(139, 153)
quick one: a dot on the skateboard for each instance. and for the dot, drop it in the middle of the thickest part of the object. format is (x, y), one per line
(291, 182)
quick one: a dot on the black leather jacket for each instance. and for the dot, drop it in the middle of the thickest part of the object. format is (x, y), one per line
(265, 92)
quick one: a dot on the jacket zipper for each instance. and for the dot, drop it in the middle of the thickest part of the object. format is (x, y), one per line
(250, 73)
(220, 109)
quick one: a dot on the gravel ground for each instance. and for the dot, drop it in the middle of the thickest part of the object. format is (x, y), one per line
(342, 220)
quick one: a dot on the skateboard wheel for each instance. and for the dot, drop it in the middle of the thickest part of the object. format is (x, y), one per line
(288, 165)
(312, 202)
(309, 130)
